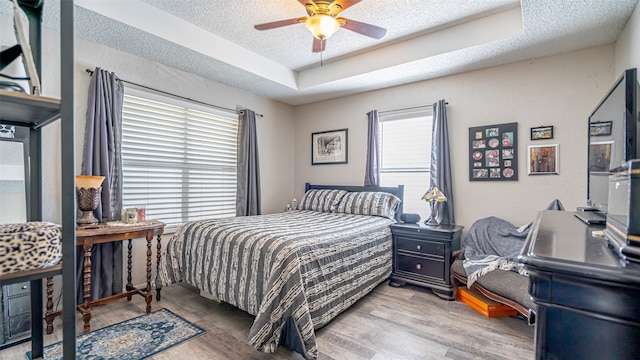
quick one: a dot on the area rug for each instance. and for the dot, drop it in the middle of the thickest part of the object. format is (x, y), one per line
(137, 338)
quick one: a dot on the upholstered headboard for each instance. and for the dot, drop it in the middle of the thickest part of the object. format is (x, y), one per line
(397, 191)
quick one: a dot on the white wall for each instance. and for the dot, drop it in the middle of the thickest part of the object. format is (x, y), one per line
(628, 44)
(558, 90)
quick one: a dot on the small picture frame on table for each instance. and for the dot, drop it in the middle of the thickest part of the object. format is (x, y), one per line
(543, 159)
(329, 147)
(542, 133)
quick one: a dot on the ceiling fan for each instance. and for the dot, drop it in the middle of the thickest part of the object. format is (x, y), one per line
(323, 21)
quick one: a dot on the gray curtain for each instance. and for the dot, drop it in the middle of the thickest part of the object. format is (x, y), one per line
(441, 162)
(372, 170)
(102, 156)
(248, 189)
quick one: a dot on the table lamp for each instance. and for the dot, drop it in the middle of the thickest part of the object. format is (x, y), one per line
(88, 192)
(433, 196)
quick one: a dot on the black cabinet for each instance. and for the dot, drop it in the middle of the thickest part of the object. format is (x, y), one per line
(422, 256)
(587, 297)
(16, 311)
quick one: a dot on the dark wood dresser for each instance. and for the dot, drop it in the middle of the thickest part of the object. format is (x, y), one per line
(588, 298)
(422, 256)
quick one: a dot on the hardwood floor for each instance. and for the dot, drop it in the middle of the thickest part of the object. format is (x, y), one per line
(390, 323)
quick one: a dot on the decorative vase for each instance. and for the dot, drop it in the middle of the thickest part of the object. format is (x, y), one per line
(88, 193)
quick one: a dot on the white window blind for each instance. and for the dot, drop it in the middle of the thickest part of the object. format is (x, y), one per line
(179, 159)
(405, 139)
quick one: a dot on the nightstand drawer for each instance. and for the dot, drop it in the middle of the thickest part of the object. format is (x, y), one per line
(420, 266)
(420, 246)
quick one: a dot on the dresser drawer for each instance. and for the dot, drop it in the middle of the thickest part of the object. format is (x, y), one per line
(17, 289)
(420, 246)
(18, 305)
(19, 325)
(420, 266)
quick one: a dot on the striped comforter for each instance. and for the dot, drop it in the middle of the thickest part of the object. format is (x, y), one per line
(302, 267)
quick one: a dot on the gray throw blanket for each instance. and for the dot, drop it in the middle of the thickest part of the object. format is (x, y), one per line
(493, 243)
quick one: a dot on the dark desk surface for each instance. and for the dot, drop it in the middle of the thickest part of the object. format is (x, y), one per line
(560, 242)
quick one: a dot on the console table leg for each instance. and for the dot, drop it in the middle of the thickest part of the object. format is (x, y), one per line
(159, 257)
(49, 313)
(86, 276)
(129, 266)
(148, 295)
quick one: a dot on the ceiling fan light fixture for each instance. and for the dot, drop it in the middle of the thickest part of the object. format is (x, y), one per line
(322, 26)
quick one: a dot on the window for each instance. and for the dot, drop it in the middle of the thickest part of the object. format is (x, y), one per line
(405, 142)
(179, 159)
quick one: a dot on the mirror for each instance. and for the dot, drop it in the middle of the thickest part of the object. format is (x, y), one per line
(13, 180)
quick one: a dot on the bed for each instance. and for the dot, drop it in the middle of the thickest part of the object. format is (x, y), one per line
(294, 271)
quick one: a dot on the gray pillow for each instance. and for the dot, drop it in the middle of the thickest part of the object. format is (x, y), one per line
(369, 203)
(323, 200)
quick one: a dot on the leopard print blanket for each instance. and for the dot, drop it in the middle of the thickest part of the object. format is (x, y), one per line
(29, 246)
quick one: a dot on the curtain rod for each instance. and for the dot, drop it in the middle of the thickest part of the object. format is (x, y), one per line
(403, 109)
(178, 96)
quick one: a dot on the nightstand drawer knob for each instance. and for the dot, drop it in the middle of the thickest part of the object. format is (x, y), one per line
(418, 247)
(24, 287)
(418, 266)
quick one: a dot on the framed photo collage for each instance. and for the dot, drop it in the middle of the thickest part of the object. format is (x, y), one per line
(493, 152)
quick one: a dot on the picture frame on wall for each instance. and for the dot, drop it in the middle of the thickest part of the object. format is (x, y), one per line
(542, 133)
(600, 156)
(493, 152)
(600, 128)
(543, 159)
(329, 147)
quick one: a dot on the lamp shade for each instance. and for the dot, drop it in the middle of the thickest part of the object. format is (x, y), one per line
(434, 194)
(322, 26)
(88, 182)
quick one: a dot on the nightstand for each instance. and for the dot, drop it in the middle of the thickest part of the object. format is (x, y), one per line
(422, 256)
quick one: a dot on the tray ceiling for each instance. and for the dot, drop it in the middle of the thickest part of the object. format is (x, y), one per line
(215, 39)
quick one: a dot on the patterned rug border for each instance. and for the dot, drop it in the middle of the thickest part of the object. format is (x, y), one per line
(106, 328)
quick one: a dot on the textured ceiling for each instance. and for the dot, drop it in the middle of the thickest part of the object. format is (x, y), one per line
(215, 39)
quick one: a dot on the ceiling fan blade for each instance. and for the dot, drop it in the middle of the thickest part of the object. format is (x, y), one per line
(363, 28)
(344, 4)
(277, 24)
(318, 45)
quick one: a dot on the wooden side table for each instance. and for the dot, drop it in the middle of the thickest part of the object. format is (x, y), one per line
(103, 234)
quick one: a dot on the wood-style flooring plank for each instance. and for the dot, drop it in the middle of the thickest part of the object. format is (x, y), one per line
(406, 323)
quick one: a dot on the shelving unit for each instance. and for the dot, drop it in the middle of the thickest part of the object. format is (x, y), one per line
(34, 112)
